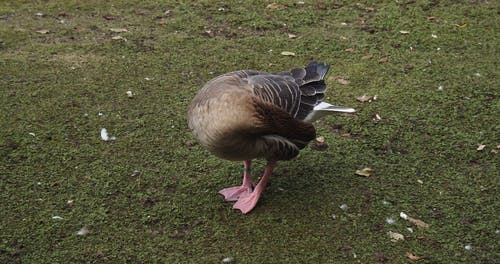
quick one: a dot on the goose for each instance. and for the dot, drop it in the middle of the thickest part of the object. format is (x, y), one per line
(248, 114)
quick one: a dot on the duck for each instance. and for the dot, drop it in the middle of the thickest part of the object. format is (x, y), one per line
(248, 114)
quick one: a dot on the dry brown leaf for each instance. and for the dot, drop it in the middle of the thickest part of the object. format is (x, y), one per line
(320, 139)
(276, 6)
(345, 135)
(342, 81)
(395, 236)
(367, 172)
(413, 256)
(108, 17)
(480, 147)
(367, 57)
(364, 98)
(291, 36)
(417, 222)
(383, 60)
(350, 50)
(369, 9)
(43, 31)
(118, 30)
(461, 26)
(119, 38)
(287, 53)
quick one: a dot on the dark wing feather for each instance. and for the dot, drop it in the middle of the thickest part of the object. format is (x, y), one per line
(280, 90)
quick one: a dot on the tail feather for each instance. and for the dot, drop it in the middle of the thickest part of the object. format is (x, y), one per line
(312, 86)
(310, 80)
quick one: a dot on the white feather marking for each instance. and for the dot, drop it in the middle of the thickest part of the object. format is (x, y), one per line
(323, 109)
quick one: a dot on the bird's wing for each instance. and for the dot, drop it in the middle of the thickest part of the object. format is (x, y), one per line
(296, 91)
(279, 90)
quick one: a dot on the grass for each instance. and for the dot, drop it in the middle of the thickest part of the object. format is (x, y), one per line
(423, 149)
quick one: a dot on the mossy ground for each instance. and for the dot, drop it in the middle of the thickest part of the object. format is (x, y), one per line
(423, 149)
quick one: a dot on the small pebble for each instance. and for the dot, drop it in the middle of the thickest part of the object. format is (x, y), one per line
(403, 215)
(386, 203)
(83, 231)
(389, 220)
(409, 229)
(100, 114)
(39, 183)
(56, 217)
(497, 231)
(136, 173)
(440, 88)
(129, 94)
(334, 216)
(70, 202)
(31, 134)
(344, 206)
(227, 260)
(468, 247)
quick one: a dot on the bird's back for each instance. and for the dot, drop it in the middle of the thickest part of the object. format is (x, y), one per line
(249, 114)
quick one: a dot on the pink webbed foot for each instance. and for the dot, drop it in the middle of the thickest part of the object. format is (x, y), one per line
(247, 202)
(233, 193)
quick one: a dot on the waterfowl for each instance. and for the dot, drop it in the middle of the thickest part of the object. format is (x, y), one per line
(247, 114)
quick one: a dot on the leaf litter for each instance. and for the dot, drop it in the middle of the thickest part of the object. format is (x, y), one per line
(481, 147)
(118, 30)
(276, 6)
(364, 98)
(414, 221)
(412, 256)
(395, 236)
(366, 172)
(287, 53)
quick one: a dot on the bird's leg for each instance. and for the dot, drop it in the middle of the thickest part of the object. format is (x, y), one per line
(233, 193)
(247, 201)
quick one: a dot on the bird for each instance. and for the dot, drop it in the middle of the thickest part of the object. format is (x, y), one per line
(247, 114)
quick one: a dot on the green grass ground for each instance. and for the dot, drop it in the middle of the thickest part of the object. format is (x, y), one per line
(54, 82)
